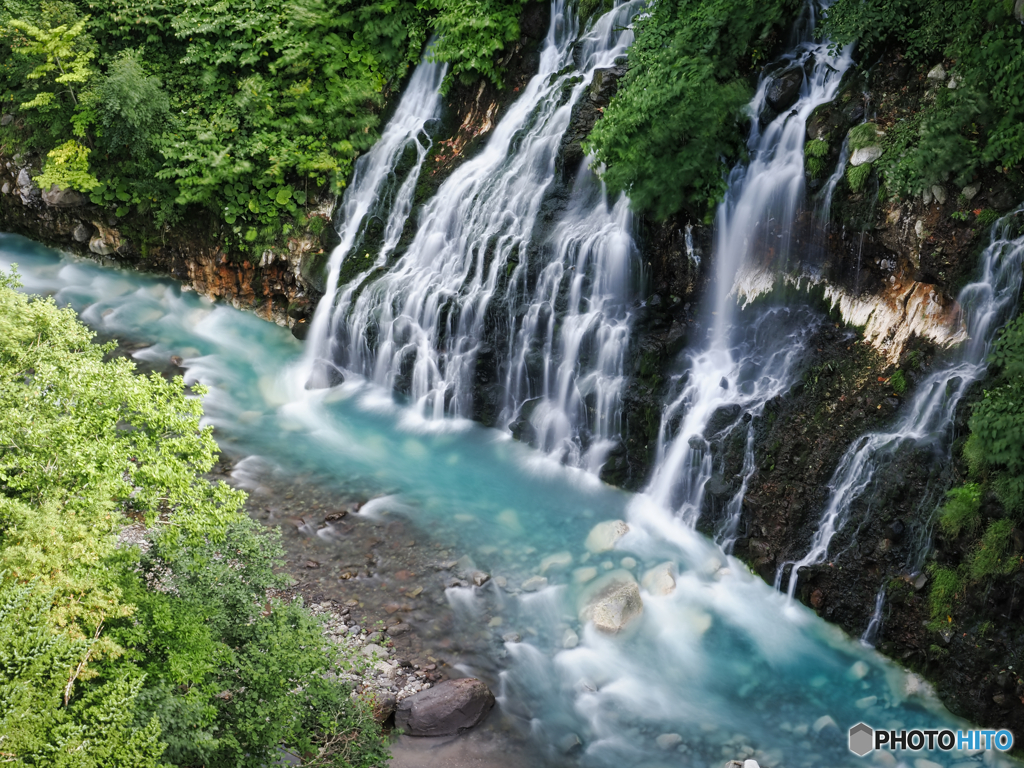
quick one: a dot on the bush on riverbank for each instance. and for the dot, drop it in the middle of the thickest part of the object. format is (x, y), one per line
(247, 109)
(171, 652)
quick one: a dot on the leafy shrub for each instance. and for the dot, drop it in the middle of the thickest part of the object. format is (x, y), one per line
(67, 166)
(677, 121)
(980, 121)
(960, 513)
(175, 655)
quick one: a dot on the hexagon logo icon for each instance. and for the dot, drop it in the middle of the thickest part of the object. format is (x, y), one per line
(862, 739)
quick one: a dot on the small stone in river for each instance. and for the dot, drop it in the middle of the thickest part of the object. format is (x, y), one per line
(501, 581)
(569, 742)
(510, 520)
(611, 602)
(557, 560)
(660, 580)
(602, 537)
(570, 639)
(497, 621)
(628, 563)
(480, 578)
(511, 637)
(369, 650)
(583, 575)
(534, 583)
(669, 741)
(859, 670)
(867, 702)
(825, 724)
(398, 629)
(607, 565)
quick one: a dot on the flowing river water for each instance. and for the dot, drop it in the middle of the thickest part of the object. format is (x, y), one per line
(719, 665)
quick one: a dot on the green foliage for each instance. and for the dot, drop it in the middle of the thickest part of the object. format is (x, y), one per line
(947, 588)
(992, 557)
(64, 64)
(815, 151)
(677, 120)
(246, 109)
(863, 135)
(472, 33)
(961, 512)
(857, 176)
(67, 166)
(987, 217)
(898, 381)
(125, 657)
(42, 720)
(979, 122)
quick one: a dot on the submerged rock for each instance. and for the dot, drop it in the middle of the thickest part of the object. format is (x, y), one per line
(602, 537)
(446, 709)
(612, 602)
(661, 579)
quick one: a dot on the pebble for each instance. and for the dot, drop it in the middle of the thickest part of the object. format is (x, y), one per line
(570, 639)
(583, 575)
(501, 581)
(369, 650)
(668, 741)
(497, 621)
(511, 637)
(859, 670)
(398, 629)
(557, 560)
(867, 702)
(534, 583)
(628, 563)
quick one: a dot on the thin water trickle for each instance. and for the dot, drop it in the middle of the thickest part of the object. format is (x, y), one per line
(874, 628)
(928, 418)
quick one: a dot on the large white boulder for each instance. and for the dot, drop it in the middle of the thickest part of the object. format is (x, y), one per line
(661, 579)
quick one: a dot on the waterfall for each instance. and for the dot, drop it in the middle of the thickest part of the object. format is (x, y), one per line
(870, 636)
(480, 261)
(745, 363)
(985, 305)
(375, 191)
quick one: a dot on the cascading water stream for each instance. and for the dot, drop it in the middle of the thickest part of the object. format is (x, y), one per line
(478, 260)
(985, 305)
(738, 370)
(375, 191)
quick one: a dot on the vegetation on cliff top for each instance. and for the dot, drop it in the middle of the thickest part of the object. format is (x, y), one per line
(974, 117)
(120, 655)
(244, 108)
(677, 120)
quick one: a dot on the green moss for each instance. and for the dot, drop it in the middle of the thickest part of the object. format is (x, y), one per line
(992, 556)
(863, 135)
(947, 588)
(857, 176)
(898, 382)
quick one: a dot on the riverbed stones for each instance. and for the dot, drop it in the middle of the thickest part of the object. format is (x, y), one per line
(81, 233)
(825, 726)
(446, 709)
(603, 536)
(584, 574)
(660, 580)
(612, 602)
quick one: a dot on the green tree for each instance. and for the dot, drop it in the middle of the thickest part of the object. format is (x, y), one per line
(64, 64)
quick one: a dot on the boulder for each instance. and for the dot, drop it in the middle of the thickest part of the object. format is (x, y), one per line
(27, 189)
(938, 72)
(865, 155)
(64, 198)
(446, 709)
(602, 537)
(783, 89)
(6, 119)
(661, 579)
(612, 602)
(100, 246)
(81, 233)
